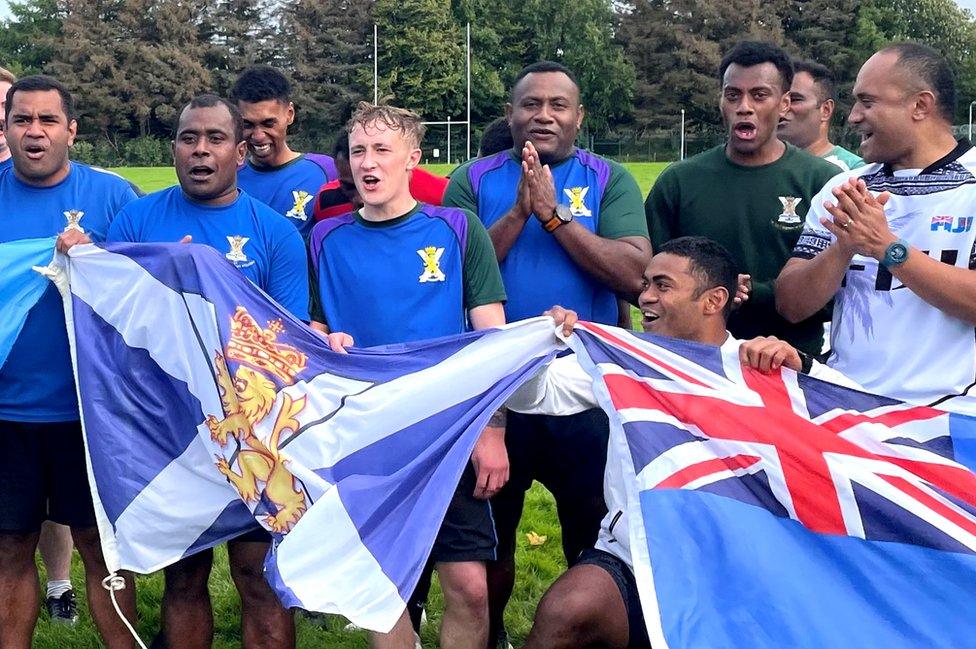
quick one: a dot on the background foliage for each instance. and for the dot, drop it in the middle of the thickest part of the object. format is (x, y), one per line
(132, 63)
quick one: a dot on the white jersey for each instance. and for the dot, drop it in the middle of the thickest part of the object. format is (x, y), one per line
(882, 334)
(564, 388)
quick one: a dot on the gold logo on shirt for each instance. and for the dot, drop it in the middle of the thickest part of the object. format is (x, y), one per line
(301, 198)
(431, 257)
(576, 204)
(73, 216)
(788, 218)
(236, 253)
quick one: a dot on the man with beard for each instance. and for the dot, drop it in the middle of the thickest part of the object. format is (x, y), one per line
(749, 194)
(893, 243)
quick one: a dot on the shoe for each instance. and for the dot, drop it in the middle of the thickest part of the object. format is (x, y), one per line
(64, 609)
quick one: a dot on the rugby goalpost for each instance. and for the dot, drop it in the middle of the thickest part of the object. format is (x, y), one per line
(448, 122)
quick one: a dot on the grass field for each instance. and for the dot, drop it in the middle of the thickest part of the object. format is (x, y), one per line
(538, 566)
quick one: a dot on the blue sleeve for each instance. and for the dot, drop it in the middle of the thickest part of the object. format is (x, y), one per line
(288, 273)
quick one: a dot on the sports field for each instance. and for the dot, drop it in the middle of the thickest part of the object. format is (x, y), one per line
(538, 565)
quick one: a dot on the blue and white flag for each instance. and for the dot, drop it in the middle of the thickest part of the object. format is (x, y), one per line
(207, 410)
(20, 286)
(777, 510)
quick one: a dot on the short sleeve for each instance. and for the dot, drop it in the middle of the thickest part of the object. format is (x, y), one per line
(459, 192)
(815, 238)
(122, 228)
(620, 209)
(482, 278)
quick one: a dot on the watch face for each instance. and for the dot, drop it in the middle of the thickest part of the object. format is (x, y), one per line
(563, 213)
(898, 253)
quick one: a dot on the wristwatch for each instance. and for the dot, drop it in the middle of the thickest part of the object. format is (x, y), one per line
(895, 254)
(562, 214)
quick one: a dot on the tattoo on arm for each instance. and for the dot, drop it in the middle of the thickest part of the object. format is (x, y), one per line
(499, 418)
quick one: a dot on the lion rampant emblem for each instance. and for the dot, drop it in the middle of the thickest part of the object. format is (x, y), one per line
(248, 399)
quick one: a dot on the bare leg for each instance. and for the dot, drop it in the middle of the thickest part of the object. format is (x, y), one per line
(55, 546)
(187, 613)
(19, 590)
(264, 621)
(582, 608)
(465, 624)
(399, 637)
(113, 631)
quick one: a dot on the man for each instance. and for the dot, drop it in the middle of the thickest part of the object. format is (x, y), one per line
(43, 474)
(688, 290)
(339, 196)
(7, 79)
(208, 208)
(54, 543)
(274, 174)
(438, 269)
(806, 125)
(892, 243)
(749, 194)
(566, 226)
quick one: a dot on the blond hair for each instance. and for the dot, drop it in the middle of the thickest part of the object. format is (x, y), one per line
(398, 119)
(8, 76)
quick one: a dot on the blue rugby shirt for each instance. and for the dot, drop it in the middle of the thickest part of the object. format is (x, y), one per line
(290, 189)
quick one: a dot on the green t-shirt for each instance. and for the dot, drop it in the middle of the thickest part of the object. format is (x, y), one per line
(757, 213)
(843, 158)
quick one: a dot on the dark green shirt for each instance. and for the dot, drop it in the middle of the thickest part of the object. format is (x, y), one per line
(755, 212)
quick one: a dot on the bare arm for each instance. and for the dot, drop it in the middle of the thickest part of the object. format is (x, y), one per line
(805, 286)
(506, 230)
(615, 263)
(490, 457)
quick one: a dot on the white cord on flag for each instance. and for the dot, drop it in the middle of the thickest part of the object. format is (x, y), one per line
(113, 583)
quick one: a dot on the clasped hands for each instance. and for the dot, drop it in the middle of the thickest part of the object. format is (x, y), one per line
(536, 189)
(859, 223)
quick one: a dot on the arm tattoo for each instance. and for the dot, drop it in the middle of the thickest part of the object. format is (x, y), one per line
(498, 418)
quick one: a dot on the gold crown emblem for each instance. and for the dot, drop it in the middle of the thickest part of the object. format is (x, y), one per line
(251, 344)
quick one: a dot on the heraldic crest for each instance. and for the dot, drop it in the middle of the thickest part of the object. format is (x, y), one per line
(248, 399)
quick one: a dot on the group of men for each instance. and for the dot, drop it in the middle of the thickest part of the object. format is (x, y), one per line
(758, 242)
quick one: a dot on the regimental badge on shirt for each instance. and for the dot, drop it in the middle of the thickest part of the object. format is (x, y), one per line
(788, 218)
(73, 217)
(236, 254)
(432, 268)
(302, 198)
(576, 196)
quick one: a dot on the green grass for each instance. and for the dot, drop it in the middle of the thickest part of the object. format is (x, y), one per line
(537, 566)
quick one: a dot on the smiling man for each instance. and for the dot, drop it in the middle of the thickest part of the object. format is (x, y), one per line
(43, 474)
(208, 208)
(749, 194)
(893, 243)
(274, 174)
(813, 97)
(567, 228)
(688, 290)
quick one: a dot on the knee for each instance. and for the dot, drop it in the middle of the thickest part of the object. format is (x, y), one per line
(17, 551)
(469, 595)
(186, 582)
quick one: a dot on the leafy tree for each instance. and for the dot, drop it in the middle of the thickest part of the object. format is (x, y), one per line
(327, 44)
(236, 34)
(29, 35)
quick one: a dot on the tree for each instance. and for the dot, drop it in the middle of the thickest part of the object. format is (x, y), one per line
(28, 37)
(327, 44)
(421, 56)
(236, 34)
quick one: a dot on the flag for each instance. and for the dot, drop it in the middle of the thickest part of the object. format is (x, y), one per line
(778, 510)
(208, 410)
(20, 286)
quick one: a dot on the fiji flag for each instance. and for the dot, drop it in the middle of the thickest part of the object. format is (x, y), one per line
(20, 286)
(208, 410)
(781, 511)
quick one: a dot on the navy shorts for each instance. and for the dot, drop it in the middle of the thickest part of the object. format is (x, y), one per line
(468, 530)
(43, 476)
(623, 576)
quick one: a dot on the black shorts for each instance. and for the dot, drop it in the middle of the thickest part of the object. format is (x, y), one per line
(43, 476)
(468, 530)
(255, 535)
(568, 454)
(623, 576)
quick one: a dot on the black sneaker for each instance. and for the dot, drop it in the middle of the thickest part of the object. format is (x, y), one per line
(64, 609)
(503, 642)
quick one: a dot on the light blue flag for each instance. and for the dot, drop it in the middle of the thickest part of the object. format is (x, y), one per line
(208, 410)
(20, 286)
